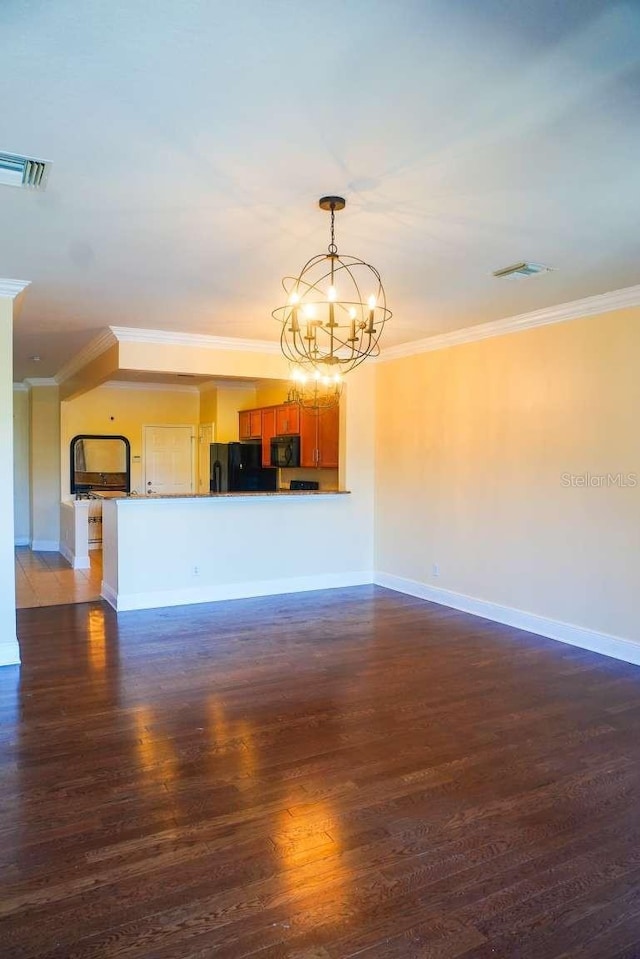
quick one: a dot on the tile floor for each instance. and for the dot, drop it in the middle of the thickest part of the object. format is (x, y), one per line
(46, 579)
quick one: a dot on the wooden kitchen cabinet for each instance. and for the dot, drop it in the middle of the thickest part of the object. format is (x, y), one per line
(319, 432)
(268, 430)
(329, 438)
(250, 424)
(319, 437)
(287, 419)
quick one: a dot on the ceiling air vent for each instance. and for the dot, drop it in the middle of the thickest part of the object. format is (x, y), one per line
(23, 171)
(522, 269)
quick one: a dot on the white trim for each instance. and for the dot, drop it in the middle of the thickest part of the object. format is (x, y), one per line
(22, 541)
(76, 562)
(125, 334)
(32, 381)
(155, 387)
(45, 545)
(20, 387)
(615, 646)
(98, 345)
(226, 591)
(589, 306)
(13, 288)
(109, 595)
(10, 652)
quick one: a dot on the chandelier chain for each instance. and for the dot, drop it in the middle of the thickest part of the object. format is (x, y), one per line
(333, 249)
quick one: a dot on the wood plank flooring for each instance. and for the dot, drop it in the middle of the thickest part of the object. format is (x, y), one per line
(316, 776)
(47, 579)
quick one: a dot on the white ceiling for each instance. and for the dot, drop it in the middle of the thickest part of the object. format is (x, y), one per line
(191, 139)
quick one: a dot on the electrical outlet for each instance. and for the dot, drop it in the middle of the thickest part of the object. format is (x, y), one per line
(435, 569)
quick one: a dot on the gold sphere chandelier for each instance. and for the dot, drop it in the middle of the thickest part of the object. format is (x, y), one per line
(335, 312)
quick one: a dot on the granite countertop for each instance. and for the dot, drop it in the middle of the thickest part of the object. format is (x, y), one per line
(234, 495)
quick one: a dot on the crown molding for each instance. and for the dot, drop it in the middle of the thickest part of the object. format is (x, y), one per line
(125, 334)
(588, 306)
(41, 381)
(148, 387)
(20, 388)
(13, 288)
(99, 344)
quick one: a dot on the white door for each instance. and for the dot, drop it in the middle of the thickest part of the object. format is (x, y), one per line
(169, 459)
(206, 434)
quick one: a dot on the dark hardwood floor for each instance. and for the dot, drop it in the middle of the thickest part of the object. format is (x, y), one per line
(323, 775)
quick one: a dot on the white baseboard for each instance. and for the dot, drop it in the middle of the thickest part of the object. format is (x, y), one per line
(9, 652)
(45, 545)
(109, 595)
(21, 541)
(217, 593)
(614, 646)
(77, 562)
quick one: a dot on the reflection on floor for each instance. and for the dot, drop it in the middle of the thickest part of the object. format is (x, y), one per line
(46, 579)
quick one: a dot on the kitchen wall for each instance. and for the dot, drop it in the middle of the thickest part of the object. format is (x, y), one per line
(208, 404)
(272, 392)
(508, 470)
(230, 400)
(124, 409)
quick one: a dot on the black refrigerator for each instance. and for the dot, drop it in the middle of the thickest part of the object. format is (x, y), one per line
(237, 468)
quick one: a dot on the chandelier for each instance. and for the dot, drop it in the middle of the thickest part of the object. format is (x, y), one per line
(335, 312)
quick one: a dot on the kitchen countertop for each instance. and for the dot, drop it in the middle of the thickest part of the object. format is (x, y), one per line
(234, 495)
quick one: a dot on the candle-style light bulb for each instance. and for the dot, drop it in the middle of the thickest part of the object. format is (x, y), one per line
(353, 313)
(331, 296)
(372, 305)
(294, 299)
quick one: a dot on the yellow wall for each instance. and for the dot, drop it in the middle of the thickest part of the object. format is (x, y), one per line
(93, 374)
(230, 400)
(111, 410)
(209, 405)
(21, 417)
(178, 358)
(475, 450)
(44, 465)
(272, 392)
(9, 650)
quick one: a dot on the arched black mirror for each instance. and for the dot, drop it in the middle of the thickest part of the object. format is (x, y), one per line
(100, 463)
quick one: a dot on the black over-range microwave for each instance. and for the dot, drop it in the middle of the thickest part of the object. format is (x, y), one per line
(285, 451)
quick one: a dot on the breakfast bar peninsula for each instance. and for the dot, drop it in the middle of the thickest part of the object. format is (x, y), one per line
(168, 550)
